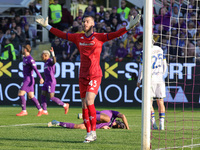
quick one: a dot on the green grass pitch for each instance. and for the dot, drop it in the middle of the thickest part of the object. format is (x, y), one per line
(31, 132)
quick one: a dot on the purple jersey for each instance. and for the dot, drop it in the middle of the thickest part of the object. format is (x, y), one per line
(49, 71)
(112, 115)
(28, 66)
(50, 81)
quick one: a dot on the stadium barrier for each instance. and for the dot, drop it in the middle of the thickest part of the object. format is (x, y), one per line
(118, 87)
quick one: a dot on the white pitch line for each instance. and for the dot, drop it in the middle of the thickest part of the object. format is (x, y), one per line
(28, 124)
(185, 146)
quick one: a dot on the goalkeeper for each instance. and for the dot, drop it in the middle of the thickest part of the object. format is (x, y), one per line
(89, 45)
(159, 68)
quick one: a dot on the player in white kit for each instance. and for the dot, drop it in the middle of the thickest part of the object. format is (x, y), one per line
(159, 68)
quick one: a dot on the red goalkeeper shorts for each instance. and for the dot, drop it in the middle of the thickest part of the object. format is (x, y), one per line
(91, 85)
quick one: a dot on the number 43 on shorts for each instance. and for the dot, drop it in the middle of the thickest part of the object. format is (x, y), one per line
(93, 83)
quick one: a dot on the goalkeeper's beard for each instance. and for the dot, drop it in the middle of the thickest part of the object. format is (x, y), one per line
(90, 29)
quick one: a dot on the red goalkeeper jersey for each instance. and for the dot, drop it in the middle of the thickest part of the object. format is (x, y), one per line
(90, 49)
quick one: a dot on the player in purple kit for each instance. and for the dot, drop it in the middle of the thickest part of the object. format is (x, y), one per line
(28, 82)
(105, 120)
(50, 81)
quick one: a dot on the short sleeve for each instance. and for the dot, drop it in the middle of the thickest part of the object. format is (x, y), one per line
(115, 113)
(32, 62)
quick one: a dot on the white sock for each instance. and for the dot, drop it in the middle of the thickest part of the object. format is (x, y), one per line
(93, 132)
(153, 120)
(64, 105)
(24, 110)
(45, 111)
(162, 120)
(40, 109)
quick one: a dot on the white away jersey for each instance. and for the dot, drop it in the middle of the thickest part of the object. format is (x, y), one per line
(158, 65)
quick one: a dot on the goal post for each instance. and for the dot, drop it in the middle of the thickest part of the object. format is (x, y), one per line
(146, 84)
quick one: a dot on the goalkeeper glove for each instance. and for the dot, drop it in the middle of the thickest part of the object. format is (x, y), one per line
(43, 22)
(133, 22)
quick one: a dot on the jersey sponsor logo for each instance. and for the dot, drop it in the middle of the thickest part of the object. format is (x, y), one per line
(87, 44)
(109, 70)
(82, 37)
(4, 69)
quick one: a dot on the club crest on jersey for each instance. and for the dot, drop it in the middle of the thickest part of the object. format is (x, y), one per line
(93, 37)
(87, 44)
(82, 37)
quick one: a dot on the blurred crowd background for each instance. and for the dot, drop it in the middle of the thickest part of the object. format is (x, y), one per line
(176, 28)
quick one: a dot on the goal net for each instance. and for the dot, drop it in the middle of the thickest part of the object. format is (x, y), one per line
(177, 31)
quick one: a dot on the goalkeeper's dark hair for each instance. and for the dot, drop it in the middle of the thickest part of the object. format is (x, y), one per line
(85, 16)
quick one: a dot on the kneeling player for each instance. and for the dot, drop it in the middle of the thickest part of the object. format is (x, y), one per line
(50, 81)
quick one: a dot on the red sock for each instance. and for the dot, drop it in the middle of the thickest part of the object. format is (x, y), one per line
(86, 120)
(92, 114)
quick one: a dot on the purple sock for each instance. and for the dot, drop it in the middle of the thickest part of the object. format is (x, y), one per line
(57, 100)
(44, 102)
(23, 102)
(67, 125)
(36, 102)
(98, 117)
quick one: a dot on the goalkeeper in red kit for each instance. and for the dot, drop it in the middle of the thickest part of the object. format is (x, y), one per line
(89, 45)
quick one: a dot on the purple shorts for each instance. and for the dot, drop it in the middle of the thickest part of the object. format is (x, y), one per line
(28, 84)
(49, 87)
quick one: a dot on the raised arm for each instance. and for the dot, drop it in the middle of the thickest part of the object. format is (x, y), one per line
(123, 117)
(118, 33)
(53, 55)
(44, 23)
(133, 22)
(112, 35)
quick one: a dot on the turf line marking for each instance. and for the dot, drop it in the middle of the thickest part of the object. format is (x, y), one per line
(185, 146)
(19, 125)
